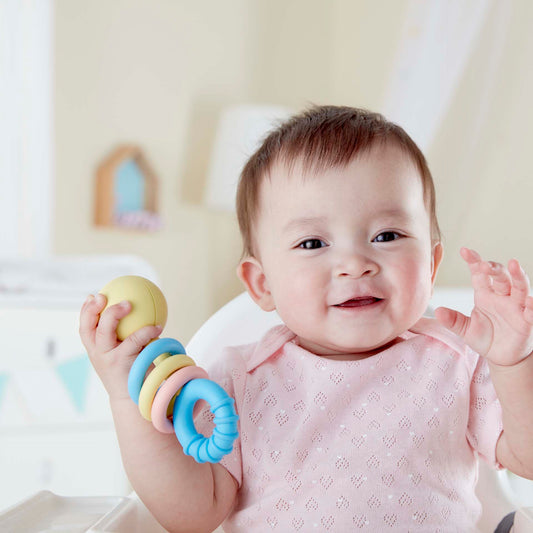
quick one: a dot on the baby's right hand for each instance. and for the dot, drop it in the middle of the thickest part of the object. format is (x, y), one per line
(111, 358)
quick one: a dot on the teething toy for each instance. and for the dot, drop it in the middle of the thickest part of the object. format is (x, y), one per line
(176, 383)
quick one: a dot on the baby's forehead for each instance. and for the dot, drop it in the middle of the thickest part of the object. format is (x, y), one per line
(316, 164)
(375, 162)
(386, 193)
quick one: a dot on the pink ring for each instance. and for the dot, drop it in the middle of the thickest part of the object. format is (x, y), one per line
(165, 393)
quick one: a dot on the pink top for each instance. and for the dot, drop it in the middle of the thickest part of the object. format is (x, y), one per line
(390, 441)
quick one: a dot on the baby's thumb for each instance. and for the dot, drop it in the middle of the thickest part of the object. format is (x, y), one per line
(134, 343)
(452, 320)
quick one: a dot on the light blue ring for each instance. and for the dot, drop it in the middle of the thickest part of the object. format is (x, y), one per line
(145, 359)
(220, 443)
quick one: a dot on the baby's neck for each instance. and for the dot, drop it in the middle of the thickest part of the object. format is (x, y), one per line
(358, 356)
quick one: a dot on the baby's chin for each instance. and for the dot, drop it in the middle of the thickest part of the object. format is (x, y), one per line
(348, 353)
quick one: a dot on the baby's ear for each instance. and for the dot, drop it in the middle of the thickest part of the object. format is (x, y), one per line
(437, 253)
(250, 272)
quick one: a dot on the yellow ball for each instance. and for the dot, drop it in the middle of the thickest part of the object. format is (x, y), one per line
(148, 305)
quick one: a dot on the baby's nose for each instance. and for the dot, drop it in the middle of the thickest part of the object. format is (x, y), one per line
(356, 265)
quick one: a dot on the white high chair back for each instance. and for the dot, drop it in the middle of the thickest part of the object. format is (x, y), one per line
(240, 321)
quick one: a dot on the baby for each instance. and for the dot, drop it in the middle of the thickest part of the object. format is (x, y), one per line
(357, 412)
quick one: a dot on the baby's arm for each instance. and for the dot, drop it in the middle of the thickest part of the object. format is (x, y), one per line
(182, 494)
(500, 329)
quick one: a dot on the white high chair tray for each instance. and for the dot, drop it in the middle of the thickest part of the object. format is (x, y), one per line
(46, 512)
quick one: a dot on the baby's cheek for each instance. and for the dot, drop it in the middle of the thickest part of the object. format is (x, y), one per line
(297, 299)
(415, 276)
(416, 264)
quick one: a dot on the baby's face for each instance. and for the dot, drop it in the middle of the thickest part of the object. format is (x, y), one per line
(347, 256)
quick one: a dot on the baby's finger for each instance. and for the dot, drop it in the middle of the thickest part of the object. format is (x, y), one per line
(453, 320)
(470, 256)
(89, 317)
(500, 277)
(528, 311)
(480, 280)
(106, 332)
(133, 344)
(520, 287)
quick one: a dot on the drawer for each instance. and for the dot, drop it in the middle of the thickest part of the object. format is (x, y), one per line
(36, 337)
(45, 375)
(70, 463)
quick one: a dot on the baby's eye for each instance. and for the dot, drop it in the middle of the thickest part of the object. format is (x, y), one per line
(387, 236)
(311, 244)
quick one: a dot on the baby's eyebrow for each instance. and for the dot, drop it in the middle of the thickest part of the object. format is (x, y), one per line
(302, 222)
(396, 213)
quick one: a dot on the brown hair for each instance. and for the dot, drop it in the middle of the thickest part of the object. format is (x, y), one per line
(323, 137)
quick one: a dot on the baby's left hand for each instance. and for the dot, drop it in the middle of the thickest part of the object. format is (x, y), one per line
(500, 327)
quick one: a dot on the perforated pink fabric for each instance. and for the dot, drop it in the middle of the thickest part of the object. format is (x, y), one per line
(388, 442)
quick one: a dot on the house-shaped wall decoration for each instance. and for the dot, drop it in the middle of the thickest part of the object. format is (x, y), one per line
(126, 191)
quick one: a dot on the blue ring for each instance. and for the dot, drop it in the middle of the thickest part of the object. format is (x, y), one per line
(145, 359)
(204, 449)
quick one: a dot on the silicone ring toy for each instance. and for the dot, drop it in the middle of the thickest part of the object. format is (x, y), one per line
(156, 377)
(201, 448)
(170, 388)
(145, 359)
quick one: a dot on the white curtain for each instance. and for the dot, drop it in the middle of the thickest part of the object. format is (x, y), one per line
(438, 39)
(439, 42)
(26, 127)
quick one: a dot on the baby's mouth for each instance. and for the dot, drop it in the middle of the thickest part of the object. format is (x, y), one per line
(359, 302)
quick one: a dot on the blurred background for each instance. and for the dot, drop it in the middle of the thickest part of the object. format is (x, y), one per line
(83, 77)
(187, 83)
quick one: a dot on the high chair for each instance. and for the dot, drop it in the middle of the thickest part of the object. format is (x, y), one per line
(238, 322)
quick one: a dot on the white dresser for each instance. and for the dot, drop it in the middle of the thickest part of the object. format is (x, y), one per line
(56, 430)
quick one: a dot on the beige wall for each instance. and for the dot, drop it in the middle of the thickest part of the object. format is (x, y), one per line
(157, 73)
(483, 169)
